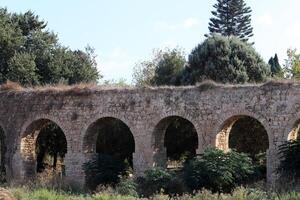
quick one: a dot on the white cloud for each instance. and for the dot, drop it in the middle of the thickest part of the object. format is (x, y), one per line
(116, 65)
(190, 22)
(266, 19)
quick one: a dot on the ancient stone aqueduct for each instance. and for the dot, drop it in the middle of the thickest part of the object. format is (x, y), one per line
(212, 109)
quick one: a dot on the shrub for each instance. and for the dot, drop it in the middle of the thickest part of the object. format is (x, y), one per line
(103, 169)
(155, 180)
(289, 167)
(127, 187)
(218, 171)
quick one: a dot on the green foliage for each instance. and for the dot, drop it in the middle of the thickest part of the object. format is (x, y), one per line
(231, 18)
(225, 60)
(292, 65)
(164, 68)
(26, 193)
(127, 187)
(32, 55)
(290, 161)
(103, 169)
(218, 171)
(156, 180)
(276, 70)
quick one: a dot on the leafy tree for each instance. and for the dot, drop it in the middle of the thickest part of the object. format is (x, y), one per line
(276, 70)
(218, 171)
(292, 65)
(32, 55)
(231, 18)
(169, 65)
(21, 68)
(164, 68)
(225, 60)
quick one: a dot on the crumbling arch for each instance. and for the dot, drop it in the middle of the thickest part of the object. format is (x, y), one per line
(30, 138)
(174, 138)
(110, 135)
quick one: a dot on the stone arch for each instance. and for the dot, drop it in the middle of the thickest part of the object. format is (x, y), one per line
(231, 117)
(94, 138)
(28, 143)
(223, 133)
(160, 134)
(234, 128)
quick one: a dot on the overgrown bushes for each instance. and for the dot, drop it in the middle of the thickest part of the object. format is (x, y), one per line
(289, 168)
(218, 171)
(214, 170)
(103, 169)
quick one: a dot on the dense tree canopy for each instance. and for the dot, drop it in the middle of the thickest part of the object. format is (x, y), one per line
(163, 69)
(231, 18)
(32, 55)
(225, 60)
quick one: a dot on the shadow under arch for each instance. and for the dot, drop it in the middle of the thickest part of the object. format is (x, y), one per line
(109, 135)
(222, 140)
(42, 129)
(174, 137)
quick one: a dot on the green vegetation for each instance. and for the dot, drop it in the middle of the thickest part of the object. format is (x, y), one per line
(231, 18)
(276, 69)
(25, 193)
(225, 60)
(290, 161)
(218, 171)
(163, 69)
(103, 169)
(31, 55)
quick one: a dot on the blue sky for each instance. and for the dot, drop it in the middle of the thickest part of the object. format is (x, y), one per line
(124, 32)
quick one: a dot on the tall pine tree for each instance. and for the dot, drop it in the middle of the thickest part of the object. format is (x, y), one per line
(232, 17)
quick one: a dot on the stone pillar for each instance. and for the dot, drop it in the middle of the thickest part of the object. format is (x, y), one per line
(272, 164)
(74, 173)
(143, 157)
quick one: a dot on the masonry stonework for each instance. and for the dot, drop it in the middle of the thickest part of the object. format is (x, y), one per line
(211, 108)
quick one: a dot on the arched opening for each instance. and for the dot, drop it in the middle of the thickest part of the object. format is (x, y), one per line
(110, 136)
(43, 148)
(245, 134)
(176, 140)
(2, 156)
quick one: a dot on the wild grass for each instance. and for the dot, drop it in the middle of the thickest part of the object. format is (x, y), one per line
(89, 87)
(26, 193)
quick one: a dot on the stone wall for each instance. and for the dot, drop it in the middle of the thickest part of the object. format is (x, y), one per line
(211, 108)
